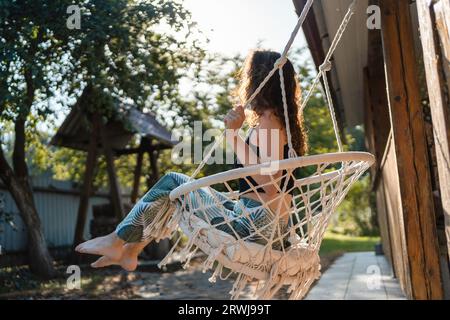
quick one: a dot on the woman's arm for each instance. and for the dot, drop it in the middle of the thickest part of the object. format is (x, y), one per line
(267, 137)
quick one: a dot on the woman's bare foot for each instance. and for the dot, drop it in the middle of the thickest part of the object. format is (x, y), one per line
(127, 264)
(110, 246)
(128, 260)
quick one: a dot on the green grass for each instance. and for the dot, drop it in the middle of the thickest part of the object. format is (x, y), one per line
(334, 243)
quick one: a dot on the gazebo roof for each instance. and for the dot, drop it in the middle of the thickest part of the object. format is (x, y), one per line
(74, 132)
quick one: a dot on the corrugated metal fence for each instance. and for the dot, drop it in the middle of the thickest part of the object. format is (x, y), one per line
(57, 205)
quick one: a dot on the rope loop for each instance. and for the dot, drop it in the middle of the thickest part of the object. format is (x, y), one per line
(352, 7)
(281, 61)
(325, 67)
(292, 153)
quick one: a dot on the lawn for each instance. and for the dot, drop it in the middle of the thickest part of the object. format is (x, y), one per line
(337, 243)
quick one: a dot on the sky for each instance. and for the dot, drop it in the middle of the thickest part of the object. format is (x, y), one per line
(236, 26)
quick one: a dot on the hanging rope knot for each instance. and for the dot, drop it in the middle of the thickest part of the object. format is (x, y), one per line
(280, 62)
(325, 67)
(292, 153)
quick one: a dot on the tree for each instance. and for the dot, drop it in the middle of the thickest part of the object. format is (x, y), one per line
(30, 45)
(117, 53)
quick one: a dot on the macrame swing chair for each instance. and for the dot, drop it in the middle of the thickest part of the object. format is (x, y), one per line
(314, 200)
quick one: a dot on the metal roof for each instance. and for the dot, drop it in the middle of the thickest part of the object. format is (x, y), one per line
(146, 124)
(75, 132)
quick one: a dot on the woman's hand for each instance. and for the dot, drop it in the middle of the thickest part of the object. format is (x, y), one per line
(235, 118)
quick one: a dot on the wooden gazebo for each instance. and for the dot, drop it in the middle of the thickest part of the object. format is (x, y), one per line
(96, 134)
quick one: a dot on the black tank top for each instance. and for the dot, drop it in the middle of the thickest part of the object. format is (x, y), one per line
(244, 186)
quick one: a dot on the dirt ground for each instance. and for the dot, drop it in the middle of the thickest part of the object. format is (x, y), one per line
(147, 282)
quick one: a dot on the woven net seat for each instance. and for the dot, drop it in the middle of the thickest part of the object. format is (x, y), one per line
(296, 262)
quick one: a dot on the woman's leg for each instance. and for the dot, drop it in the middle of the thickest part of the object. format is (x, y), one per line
(207, 208)
(133, 229)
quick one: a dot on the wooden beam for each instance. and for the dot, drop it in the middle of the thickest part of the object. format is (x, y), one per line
(154, 167)
(114, 185)
(378, 95)
(137, 176)
(422, 251)
(87, 182)
(440, 111)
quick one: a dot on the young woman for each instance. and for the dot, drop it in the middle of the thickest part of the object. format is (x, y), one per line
(267, 140)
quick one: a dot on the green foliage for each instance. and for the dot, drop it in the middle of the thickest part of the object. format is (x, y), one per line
(32, 48)
(355, 215)
(129, 51)
(119, 52)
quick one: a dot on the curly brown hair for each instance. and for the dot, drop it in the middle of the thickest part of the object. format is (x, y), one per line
(256, 67)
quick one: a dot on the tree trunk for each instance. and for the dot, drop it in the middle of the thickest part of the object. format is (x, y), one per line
(40, 261)
(17, 182)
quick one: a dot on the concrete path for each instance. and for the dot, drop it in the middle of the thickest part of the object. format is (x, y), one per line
(357, 276)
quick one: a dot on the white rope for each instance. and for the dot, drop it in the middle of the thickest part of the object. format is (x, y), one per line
(278, 65)
(292, 153)
(332, 113)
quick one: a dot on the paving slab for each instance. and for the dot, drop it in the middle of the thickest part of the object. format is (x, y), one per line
(357, 276)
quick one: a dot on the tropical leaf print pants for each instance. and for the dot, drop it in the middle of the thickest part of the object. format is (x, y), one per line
(205, 205)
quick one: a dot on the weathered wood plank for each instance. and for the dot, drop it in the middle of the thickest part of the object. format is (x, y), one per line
(376, 171)
(389, 190)
(422, 252)
(377, 128)
(378, 97)
(383, 222)
(442, 11)
(435, 37)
